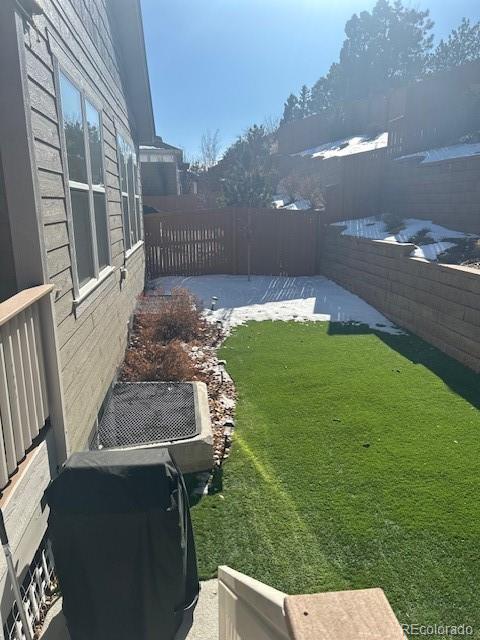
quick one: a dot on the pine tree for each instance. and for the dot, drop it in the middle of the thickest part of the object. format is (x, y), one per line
(462, 45)
(291, 109)
(247, 172)
(321, 98)
(304, 99)
(385, 47)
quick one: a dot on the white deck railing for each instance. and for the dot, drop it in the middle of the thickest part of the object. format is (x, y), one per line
(24, 384)
(249, 609)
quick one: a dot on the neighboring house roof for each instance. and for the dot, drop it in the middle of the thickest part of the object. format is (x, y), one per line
(346, 146)
(161, 144)
(127, 18)
(162, 151)
(440, 154)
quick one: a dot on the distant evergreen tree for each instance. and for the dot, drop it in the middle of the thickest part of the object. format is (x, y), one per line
(291, 109)
(387, 46)
(247, 173)
(304, 99)
(321, 95)
(462, 45)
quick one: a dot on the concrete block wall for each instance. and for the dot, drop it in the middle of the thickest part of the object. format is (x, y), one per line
(439, 303)
(446, 192)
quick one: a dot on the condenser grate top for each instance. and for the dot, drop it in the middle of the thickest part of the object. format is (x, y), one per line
(139, 413)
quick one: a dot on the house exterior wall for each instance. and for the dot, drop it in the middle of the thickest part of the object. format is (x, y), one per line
(92, 335)
(160, 179)
(8, 284)
(91, 330)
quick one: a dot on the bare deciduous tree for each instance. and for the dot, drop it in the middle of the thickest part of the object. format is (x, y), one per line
(210, 147)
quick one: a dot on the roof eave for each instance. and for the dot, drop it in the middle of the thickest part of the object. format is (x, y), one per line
(127, 15)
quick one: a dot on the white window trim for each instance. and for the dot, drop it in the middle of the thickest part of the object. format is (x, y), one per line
(137, 214)
(90, 286)
(134, 249)
(82, 292)
(86, 297)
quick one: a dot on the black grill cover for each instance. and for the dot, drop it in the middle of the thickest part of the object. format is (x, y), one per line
(123, 545)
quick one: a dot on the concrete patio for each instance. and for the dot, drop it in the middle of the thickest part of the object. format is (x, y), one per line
(203, 625)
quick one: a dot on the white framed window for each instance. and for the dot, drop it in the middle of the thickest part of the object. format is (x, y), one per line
(83, 145)
(129, 188)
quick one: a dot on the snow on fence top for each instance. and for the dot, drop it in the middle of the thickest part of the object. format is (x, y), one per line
(346, 146)
(299, 205)
(464, 150)
(374, 228)
(285, 202)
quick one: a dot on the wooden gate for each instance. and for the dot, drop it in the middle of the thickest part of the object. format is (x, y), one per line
(232, 241)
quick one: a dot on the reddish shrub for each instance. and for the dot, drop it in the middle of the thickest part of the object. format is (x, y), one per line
(150, 361)
(155, 352)
(178, 318)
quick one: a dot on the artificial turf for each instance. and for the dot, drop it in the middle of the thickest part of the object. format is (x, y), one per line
(356, 463)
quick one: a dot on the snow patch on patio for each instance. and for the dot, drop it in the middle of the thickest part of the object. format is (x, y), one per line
(374, 228)
(302, 299)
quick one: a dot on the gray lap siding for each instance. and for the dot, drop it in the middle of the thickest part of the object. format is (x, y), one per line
(92, 344)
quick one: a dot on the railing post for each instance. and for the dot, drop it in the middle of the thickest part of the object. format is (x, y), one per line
(53, 370)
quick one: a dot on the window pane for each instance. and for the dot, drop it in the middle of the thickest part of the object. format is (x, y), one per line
(131, 200)
(122, 153)
(83, 235)
(101, 229)
(135, 178)
(126, 223)
(139, 219)
(73, 125)
(95, 144)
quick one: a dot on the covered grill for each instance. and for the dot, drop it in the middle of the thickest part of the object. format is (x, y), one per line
(123, 544)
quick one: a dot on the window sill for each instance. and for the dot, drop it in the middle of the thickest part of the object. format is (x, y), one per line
(90, 291)
(134, 249)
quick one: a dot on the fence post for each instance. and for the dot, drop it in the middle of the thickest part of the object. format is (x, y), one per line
(234, 242)
(318, 246)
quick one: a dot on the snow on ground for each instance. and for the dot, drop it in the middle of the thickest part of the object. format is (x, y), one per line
(278, 298)
(280, 201)
(374, 228)
(346, 146)
(299, 205)
(463, 150)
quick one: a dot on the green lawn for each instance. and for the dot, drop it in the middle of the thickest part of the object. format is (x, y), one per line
(356, 463)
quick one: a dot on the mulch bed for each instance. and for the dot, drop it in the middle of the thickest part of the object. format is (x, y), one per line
(207, 368)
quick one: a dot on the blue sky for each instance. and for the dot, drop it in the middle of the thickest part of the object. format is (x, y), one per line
(227, 64)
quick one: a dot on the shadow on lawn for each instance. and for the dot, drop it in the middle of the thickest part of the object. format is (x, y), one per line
(463, 381)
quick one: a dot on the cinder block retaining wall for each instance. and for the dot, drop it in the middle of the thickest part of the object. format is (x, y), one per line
(440, 303)
(446, 192)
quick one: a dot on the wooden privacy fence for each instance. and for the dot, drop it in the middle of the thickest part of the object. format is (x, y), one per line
(358, 193)
(232, 241)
